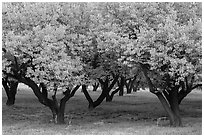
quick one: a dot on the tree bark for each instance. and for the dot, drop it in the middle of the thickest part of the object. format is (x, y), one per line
(113, 93)
(121, 86)
(166, 107)
(88, 97)
(61, 108)
(171, 106)
(173, 96)
(60, 114)
(11, 90)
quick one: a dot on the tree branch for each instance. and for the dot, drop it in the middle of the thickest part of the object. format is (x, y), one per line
(151, 86)
(113, 82)
(68, 93)
(101, 81)
(196, 86)
(88, 97)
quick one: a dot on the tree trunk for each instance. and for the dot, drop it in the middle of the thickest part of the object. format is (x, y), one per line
(108, 98)
(128, 86)
(166, 106)
(11, 90)
(60, 114)
(121, 86)
(175, 107)
(135, 86)
(100, 99)
(113, 93)
(172, 111)
(88, 97)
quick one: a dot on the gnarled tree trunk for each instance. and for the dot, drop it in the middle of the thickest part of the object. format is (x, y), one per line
(11, 90)
(170, 103)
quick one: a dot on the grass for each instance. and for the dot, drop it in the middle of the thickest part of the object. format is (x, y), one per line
(134, 114)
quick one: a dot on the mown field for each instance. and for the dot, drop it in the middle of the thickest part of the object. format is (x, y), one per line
(134, 114)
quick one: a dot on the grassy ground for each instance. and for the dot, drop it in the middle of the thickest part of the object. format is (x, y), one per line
(130, 114)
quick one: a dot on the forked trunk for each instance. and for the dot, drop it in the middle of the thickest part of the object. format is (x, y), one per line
(11, 90)
(172, 111)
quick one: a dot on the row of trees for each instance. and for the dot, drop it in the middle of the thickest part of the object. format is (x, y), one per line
(58, 47)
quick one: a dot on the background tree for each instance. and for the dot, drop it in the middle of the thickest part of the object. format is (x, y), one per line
(164, 53)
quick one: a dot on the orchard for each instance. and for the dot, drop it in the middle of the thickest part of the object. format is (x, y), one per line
(63, 47)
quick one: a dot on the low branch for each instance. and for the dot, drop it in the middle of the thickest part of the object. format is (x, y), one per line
(88, 97)
(74, 90)
(196, 86)
(166, 94)
(151, 85)
(113, 82)
(68, 94)
(114, 92)
(101, 81)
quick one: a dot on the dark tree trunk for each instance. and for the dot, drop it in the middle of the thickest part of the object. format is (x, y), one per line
(172, 109)
(131, 84)
(108, 98)
(60, 114)
(100, 99)
(93, 104)
(113, 93)
(171, 106)
(128, 86)
(88, 97)
(166, 106)
(11, 90)
(61, 108)
(136, 85)
(121, 86)
(173, 96)
(95, 86)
